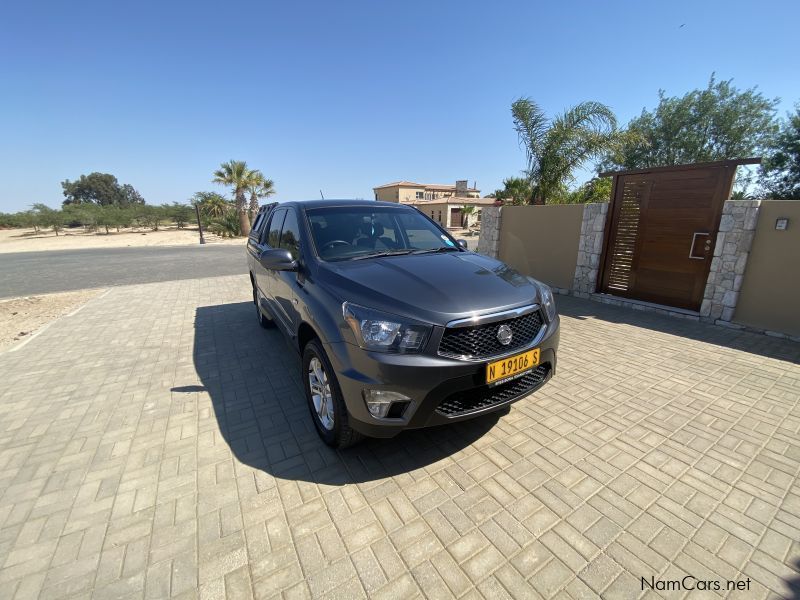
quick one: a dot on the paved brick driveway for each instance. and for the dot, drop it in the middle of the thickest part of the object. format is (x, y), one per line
(156, 444)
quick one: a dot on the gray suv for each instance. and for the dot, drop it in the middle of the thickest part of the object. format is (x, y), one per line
(399, 326)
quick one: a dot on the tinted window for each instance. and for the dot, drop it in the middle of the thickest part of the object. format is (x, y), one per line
(347, 232)
(275, 224)
(260, 219)
(290, 236)
(420, 233)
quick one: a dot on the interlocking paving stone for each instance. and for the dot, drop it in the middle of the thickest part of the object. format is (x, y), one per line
(157, 444)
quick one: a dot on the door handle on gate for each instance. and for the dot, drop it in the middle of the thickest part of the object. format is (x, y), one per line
(694, 242)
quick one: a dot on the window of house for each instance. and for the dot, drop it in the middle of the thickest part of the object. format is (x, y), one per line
(420, 195)
(440, 217)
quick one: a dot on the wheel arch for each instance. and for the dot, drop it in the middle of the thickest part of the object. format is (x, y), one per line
(305, 333)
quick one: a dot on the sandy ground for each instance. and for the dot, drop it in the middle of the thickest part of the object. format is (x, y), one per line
(20, 318)
(26, 240)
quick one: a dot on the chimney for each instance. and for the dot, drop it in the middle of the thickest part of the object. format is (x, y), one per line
(461, 187)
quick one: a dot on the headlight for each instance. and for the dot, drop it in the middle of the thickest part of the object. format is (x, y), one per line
(383, 332)
(548, 302)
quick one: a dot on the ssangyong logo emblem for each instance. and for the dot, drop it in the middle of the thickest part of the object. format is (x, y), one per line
(504, 335)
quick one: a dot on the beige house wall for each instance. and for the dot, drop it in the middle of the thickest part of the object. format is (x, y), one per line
(542, 241)
(770, 289)
(433, 209)
(398, 194)
(387, 194)
(409, 194)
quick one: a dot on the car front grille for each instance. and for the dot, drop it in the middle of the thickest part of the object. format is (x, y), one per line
(469, 401)
(481, 341)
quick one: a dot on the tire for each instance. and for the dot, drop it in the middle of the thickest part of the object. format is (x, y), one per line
(328, 411)
(263, 320)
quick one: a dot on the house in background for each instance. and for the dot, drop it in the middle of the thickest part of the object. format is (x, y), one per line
(441, 202)
(406, 192)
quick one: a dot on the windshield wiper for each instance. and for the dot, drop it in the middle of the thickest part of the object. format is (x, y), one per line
(383, 253)
(433, 250)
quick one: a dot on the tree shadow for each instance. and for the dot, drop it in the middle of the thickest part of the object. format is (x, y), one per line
(253, 379)
(33, 234)
(736, 339)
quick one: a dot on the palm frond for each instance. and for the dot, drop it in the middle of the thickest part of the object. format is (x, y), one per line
(555, 149)
(531, 125)
(267, 188)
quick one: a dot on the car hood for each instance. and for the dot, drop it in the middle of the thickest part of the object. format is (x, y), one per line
(435, 288)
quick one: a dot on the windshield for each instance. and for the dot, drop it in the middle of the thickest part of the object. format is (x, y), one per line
(353, 232)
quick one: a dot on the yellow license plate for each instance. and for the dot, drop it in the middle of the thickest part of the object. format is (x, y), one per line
(512, 366)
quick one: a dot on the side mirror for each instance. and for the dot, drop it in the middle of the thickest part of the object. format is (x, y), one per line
(462, 244)
(278, 259)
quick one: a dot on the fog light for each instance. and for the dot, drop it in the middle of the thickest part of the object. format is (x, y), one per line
(383, 403)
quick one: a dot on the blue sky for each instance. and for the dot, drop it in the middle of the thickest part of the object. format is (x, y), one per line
(343, 96)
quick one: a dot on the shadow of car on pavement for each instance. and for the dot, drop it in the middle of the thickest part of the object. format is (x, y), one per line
(252, 376)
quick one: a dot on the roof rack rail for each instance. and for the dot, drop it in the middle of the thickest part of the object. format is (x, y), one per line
(268, 207)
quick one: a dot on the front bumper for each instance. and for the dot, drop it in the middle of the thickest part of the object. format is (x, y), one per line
(430, 381)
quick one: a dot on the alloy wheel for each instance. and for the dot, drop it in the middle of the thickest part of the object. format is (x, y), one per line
(321, 393)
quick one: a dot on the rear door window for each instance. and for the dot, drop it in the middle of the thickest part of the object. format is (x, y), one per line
(275, 224)
(259, 223)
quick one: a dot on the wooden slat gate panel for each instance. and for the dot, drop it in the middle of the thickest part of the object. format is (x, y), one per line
(627, 213)
(661, 233)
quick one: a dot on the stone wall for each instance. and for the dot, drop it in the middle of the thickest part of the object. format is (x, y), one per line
(589, 249)
(489, 242)
(734, 240)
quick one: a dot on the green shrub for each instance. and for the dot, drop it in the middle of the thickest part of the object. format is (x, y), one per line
(228, 225)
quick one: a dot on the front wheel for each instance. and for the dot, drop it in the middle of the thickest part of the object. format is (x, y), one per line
(328, 410)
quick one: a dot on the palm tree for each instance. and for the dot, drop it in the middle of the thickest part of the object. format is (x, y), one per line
(259, 187)
(466, 212)
(516, 190)
(211, 204)
(236, 174)
(555, 148)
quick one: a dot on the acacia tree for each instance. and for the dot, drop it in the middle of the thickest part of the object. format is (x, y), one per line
(102, 189)
(48, 217)
(780, 173)
(716, 123)
(235, 174)
(556, 148)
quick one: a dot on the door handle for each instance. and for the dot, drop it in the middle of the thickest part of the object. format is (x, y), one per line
(706, 247)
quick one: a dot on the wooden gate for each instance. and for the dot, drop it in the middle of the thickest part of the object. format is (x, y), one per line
(660, 231)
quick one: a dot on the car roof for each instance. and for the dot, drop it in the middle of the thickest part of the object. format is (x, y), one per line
(330, 203)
